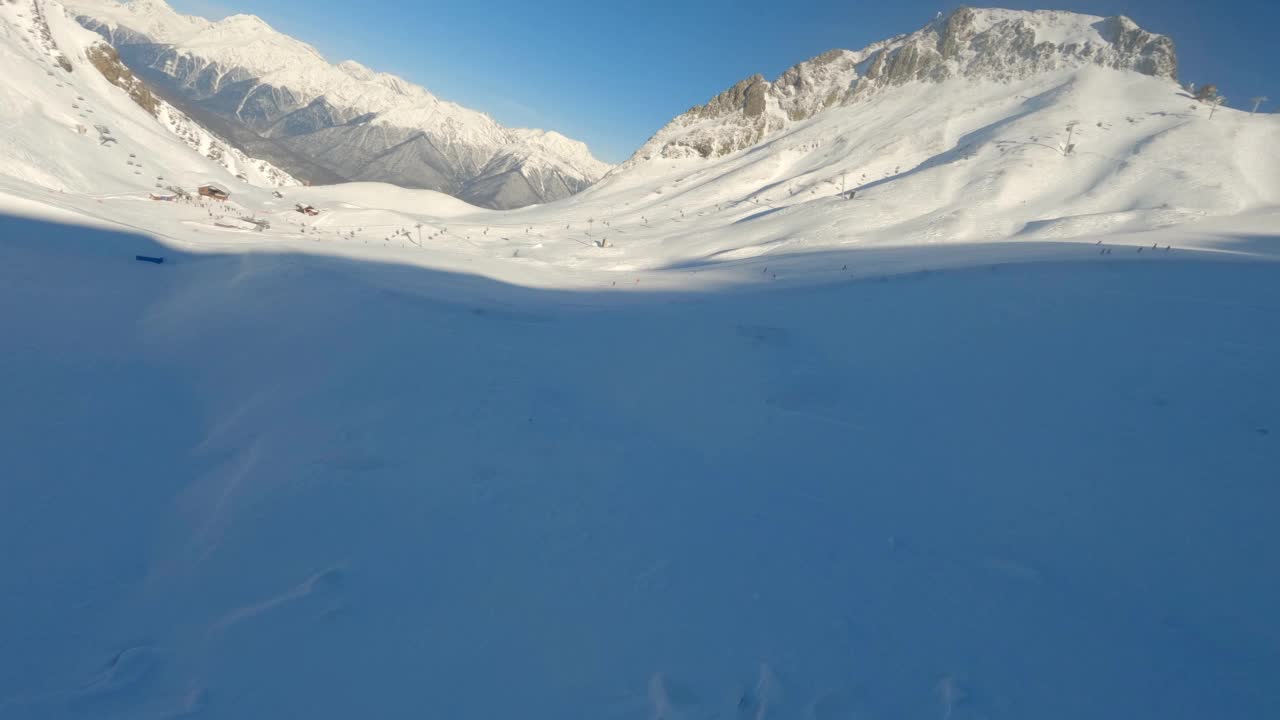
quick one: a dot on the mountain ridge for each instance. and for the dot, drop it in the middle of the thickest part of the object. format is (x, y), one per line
(970, 43)
(79, 121)
(343, 117)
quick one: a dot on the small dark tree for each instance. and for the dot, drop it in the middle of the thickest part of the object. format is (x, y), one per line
(1207, 92)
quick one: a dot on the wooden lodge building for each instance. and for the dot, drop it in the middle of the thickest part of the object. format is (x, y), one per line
(214, 191)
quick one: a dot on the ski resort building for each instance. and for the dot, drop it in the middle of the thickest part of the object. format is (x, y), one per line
(215, 191)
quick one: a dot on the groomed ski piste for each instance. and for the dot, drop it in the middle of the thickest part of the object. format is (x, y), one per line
(994, 437)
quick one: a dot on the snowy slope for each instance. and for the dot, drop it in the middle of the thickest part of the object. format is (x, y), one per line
(68, 128)
(958, 132)
(995, 439)
(970, 44)
(251, 170)
(246, 43)
(269, 484)
(960, 157)
(356, 123)
(973, 160)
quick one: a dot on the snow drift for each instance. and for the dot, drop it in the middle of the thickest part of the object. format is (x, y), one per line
(956, 400)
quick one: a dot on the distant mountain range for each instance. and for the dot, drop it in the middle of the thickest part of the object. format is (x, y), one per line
(278, 99)
(982, 125)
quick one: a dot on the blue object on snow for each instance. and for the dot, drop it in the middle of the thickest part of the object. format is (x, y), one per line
(147, 258)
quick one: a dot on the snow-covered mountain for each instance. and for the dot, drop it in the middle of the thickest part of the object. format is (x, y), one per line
(993, 437)
(971, 44)
(279, 98)
(107, 61)
(986, 125)
(77, 120)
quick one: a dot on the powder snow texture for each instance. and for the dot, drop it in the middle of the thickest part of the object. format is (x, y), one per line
(255, 485)
(994, 439)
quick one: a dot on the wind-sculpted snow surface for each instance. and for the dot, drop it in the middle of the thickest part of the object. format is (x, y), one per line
(957, 402)
(265, 485)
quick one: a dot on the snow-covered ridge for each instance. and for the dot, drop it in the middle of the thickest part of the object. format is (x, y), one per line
(970, 44)
(153, 18)
(77, 120)
(247, 44)
(106, 60)
(289, 90)
(252, 170)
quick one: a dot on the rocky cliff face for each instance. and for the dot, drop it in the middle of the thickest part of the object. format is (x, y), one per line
(107, 61)
(974, 44)
(279, 99)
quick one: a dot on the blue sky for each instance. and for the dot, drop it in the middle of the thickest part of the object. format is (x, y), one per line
(612, 73)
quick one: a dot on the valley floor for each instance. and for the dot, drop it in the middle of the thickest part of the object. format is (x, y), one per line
(955, 402)
(292, 477)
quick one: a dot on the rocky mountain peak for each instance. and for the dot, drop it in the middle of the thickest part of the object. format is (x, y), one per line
(973, 44)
